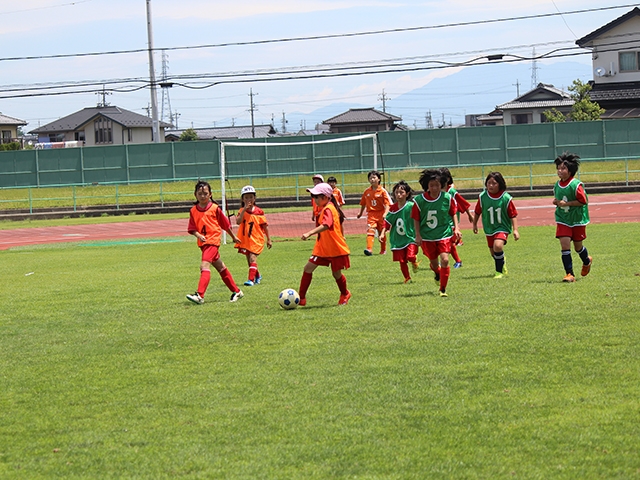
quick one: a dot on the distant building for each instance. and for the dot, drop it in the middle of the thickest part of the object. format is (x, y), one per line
(100, 126)
(484, 119)
(363, 120)
(615, 51)
(224, 133)
(9, 128)
(530, 107)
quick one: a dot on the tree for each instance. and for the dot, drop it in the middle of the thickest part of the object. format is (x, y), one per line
(189, 135)
(583, 109)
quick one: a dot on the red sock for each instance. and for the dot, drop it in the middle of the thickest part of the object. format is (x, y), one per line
(253, 271)
(454, 253)
(404, 268)
(205, 276)
(444, 277)
(305, 281)
(342, 284)
(226, 277)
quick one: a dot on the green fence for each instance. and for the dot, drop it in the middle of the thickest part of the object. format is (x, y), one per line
(130, 164)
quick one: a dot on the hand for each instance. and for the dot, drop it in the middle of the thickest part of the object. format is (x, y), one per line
(304, 236)
(269, 243)
(516, 235)
(475, 229)
(359, 215)
(555, 201)
(201, 237)
(236, 239)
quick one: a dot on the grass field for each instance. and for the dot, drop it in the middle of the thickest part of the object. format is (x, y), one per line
(107, 371)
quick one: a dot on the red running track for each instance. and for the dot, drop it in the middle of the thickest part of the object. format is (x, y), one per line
(611, 208)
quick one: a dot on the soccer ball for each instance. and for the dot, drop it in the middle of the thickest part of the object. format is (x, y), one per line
(289, 299)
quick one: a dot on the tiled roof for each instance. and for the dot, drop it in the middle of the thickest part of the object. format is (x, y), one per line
(621, 113)
(222, 133)
(359, 115)
(609, 26)
(543, 96)
(76, 120)
(539, 104)
(7, 120)
(615, 91)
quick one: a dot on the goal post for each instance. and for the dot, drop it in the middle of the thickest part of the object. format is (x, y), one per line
(303, 159)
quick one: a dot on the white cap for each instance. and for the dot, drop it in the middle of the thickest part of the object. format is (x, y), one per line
(247, 189)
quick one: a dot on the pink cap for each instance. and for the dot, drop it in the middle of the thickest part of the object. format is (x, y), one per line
(318, 176)
(321, 189)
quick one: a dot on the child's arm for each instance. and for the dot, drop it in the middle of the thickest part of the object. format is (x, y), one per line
(360, 212)
(240, 215)
(318, 229)
(416, 224)
(456, 228)
(232, 235)
(476, 216)
(516, 234)
(266, 234)
(470, 215)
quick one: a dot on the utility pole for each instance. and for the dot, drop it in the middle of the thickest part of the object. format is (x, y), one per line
(104, 94)
(284, 123)
(174, 119)
(152, 80)
(517, 85)
(384, 99)
(429, 120)
(251, 109)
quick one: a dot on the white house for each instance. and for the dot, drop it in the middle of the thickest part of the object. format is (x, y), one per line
(530, 107)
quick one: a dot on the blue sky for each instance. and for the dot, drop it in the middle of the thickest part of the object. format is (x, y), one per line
(54, 27)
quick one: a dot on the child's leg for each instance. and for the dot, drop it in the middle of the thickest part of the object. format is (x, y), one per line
(498, 254)
(205, 277)
(404, 268)
(454, 253)
(225, 275)
(370, 238)
(444, 271)
(383, 240)
(341, 281)
(252, 260)
(305, 281)
(582, 251)
(567, 261)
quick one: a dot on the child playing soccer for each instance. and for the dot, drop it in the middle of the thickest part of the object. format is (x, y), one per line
(376, 200)
(206, 223)
(499, 214)
(401, 228)
(333, 181)
(252, 230)
(462, 206)
(316, 179)
(572, 214)
(331, 248)
(436, 225)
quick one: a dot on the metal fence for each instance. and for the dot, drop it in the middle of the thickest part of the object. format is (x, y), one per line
(131, 164)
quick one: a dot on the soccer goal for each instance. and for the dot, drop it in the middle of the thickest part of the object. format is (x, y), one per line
(279, 164)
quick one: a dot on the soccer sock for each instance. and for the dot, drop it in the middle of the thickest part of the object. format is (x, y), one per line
(584, 256)
(499, 259)
(369, 242)
(253, 271)
(404, 268)
(205, 276)
(305, 281)
(444, 277)
(567, 261)
(383, 244)
(454, 253)
(228, 280)
(342, 285)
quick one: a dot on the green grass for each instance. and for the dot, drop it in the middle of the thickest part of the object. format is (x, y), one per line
(182, 191)
(106, 371)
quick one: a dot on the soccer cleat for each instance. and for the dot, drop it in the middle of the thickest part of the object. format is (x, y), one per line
(303, 302)
(498, 275)
(415, 266)
(443, 293)
(368, 253)
(504, 270)
(408, 280)
(196, 298)
(249, 283)
(586, 268)
(569, 278)
(236, 296)
(344, 299)
(258, 280)
(457, 265)
(383, 252)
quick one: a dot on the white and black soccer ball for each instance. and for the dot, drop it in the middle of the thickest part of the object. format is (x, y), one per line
(288, 299)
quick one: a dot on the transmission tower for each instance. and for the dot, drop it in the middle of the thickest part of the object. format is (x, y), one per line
(166, 101)
(534, 70)
(429, 120)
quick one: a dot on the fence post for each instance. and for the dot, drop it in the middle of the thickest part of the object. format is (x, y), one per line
(30, 202)
(75, 203)
(81, 165)
(161, 197)
(126, 156)
(37, 169)
(531, 176)
(117, 199)
(297, 187)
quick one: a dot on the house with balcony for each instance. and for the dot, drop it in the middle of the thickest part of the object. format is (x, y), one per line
(615, 54)
(9, 128)
(101, 125)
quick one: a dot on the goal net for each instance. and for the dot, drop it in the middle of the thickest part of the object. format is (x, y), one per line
(281, 171)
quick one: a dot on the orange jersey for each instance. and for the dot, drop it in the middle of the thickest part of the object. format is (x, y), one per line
(210, 222)
(375, 201)
(337, 194)
(251, 230)
(330, 243)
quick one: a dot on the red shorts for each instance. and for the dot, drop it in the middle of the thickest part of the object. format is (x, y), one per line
(337, 263)
(407, 254)
(497, 236)
(433, 249)
(244, 251)
(210, 253)
(577, 233)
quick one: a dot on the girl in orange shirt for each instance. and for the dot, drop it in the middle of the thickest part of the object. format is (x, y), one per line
(206, 223)
(331, 247)
(252, 230)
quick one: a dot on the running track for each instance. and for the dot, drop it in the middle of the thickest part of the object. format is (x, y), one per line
(614, 208)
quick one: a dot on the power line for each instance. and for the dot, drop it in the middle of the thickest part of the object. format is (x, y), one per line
(324, 37)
